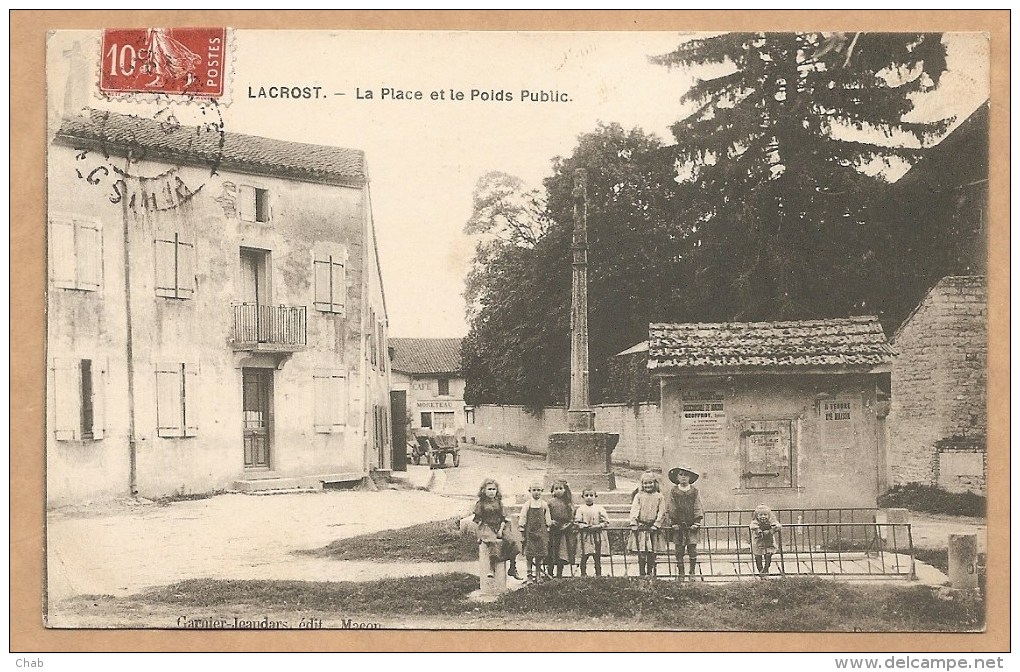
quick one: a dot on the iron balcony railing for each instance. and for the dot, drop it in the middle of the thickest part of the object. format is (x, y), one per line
(265, 326)
(848, 550)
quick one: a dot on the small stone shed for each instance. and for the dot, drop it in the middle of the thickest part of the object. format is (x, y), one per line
(788, 413)
(938, 420)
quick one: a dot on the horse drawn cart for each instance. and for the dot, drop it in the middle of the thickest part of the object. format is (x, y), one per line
(435, 449)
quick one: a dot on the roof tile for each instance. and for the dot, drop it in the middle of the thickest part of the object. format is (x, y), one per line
(852, 342)
(426, 355)
(190, 144)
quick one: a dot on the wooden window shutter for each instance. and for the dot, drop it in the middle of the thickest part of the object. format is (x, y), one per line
(189, 399)
(246, 202)
(166, 266)
(322, 382)
(99, 369)
(323, 295)
(88, 255)
(62, 253)
(66, 405)
(185, 268)
(338, 277)
(169, 420)
(340, 403)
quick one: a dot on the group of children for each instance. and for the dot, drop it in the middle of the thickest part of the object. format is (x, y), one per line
(552, 534)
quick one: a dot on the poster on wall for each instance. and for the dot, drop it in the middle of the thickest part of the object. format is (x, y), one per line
(703, 423)
(837, 428)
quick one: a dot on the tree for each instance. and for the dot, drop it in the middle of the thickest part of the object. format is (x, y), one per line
(518, 346)
(635, 237)
(783, 218)
(511, 354)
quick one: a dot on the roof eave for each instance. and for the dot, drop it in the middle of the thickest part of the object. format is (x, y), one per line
(709, 371)
(197, 160)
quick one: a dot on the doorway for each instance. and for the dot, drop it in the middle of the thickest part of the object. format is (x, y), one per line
(257, 408)
(255, 290)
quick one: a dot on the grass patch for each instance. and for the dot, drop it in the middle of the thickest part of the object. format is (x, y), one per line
(437, 541)
(789, 605)
(930, 499)
(436, 594)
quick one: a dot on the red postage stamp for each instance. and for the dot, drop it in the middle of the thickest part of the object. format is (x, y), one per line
(176, 61)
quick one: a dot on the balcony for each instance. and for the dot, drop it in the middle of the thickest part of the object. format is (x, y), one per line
(263, 328)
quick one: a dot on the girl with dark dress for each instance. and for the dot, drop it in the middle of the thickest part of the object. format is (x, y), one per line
(562, 540)
(492, 523)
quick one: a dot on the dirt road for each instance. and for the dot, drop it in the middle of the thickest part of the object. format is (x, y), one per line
(120, 548)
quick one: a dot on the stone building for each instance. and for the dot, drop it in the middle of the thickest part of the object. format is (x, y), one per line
(787, 413)
(938, 419)
(215, 313)
(429, 370)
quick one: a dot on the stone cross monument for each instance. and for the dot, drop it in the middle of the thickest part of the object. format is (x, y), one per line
(581, 455)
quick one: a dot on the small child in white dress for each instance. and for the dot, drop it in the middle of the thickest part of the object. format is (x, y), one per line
(592, 520)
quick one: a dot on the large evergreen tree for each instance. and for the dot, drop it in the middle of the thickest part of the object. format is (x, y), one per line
(773, 155)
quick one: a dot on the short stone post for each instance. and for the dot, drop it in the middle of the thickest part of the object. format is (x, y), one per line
(963, 561)
(490, 585)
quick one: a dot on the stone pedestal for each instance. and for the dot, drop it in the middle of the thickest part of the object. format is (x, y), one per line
(490, 586)
(583, 458)
(963, 556)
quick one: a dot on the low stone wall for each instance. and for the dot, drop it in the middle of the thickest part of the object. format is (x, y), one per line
(639, 427)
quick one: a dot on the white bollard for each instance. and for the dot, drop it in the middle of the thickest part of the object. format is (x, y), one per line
(963, 561)
(490, 585)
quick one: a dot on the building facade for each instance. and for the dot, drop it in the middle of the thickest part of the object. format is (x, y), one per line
(787, 413)
(215, 313)
(938, 419)
(428, 369)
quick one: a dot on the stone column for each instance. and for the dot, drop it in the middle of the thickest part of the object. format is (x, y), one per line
(581, 455)
(580, 417)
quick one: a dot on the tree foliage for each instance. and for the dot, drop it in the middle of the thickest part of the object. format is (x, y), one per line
(774, 154)
(763, 209)
(518, 347)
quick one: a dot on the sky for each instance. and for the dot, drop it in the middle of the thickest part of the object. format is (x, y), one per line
(425, 156)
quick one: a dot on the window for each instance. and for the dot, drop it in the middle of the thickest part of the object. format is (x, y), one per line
(175, 266)
(372, 346)
(78, 389)
(444, 387)
(87, 414)
(469, 415)
(330, 390)
(176, 401)
(253, 204)
(76, 260)
(426, 420)
(443, 421)
(330, 280)
(767, 454)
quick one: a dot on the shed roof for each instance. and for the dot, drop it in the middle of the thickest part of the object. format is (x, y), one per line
(426, 355)
(851, 343)
(193, 145)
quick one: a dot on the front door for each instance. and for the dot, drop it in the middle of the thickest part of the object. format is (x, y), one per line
(257, 391)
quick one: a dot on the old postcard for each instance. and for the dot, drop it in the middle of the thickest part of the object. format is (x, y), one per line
(507, 330)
